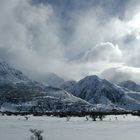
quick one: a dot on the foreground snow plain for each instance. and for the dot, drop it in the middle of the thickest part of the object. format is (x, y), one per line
(111, 128)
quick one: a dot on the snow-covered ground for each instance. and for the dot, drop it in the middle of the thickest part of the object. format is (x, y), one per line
(112, 128)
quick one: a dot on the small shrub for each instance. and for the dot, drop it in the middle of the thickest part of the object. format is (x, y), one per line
(101, 117)
(36, 134)
(94, 117)
(26, 118)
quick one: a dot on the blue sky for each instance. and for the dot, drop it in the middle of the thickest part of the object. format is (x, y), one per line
(72, 38)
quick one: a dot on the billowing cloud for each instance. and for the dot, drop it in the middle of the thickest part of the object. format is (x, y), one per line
(29, 35)
(103, 52)
(119, 74)
(71, 38)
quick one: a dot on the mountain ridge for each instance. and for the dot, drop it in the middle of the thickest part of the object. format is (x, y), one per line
(100, 91)
(21, 92)
(90, 93)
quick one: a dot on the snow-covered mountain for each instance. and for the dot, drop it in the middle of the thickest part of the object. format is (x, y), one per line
(131, 85)
(19, 93)
(100, 91)
(50, 79)
(55, 100)
(9, 74)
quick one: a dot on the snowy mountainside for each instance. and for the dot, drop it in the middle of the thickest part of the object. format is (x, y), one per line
(90, 93)
(9, 74)
(68, 85)
(131, 85)
(21, 92)
(100, 91)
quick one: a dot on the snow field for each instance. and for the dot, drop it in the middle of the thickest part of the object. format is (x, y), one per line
(111, 128)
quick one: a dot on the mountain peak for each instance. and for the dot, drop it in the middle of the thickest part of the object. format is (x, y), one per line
(93, 77)
(9, 74)
(90, 79)
(50, 79)
(100, 91)
(128, 82)
(3, 63)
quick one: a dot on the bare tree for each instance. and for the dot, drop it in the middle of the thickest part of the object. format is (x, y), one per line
(36, 134)
(101, 117)
(26, 117)
(94, 117)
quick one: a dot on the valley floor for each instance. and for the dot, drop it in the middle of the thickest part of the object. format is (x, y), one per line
(111, 128)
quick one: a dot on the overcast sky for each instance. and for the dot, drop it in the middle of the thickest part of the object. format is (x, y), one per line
(72, 38)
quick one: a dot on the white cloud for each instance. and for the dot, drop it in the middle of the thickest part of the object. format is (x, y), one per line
(31, 39)
(119, 74)
(29, 34)
(106, 52)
